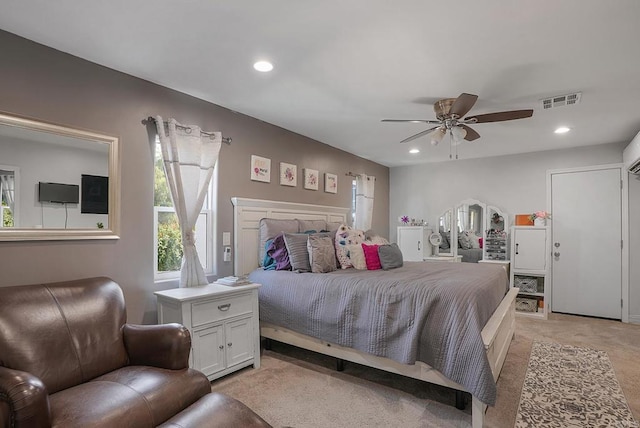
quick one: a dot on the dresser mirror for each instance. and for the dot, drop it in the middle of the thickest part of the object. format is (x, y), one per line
(445, 228)
(477, 232)
(56, 182)
(470, 225)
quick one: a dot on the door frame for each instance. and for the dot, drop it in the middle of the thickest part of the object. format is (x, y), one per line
(625, 226)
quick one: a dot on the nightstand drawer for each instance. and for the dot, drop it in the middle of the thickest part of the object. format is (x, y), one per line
(209, 311)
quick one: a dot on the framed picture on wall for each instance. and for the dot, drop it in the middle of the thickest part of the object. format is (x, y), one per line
(260, 169)
(288, 174)
(330, 183)
(310, 179)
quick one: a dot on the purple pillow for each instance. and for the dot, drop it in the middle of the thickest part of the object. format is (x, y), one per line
(277, 250)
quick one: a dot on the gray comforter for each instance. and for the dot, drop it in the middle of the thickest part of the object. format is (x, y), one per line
(424, 311)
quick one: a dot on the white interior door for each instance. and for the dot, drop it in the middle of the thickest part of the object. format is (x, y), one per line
(586, 208)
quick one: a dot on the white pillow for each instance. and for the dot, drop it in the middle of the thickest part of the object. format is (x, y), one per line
(356, 256)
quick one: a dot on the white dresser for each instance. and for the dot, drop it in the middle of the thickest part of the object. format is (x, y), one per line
(413, 241)
(223, 322)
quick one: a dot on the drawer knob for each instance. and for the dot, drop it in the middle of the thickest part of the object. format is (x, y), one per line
(229, 344)
(224, 307)
(221, 347)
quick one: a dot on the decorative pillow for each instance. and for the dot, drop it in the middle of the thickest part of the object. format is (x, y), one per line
(473, 239)
(333, 226)
(464, 242)
(322, 255)
(316, 225)
(390, 256)
(374, 238)
(270, 227)
(268, 263)
(371, 256)
(297, 249)
(346, 236)
(278, 251)
(444, 244)
(356, 256)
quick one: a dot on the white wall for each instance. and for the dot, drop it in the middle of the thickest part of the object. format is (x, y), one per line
(515, 183)
(54, 164)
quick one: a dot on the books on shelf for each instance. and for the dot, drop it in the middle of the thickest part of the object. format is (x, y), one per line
(233, 280)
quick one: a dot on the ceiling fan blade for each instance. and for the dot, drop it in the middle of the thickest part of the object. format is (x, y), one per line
(463, 104)
(499, 116)
(471, 133)
(434, 122)
(418, 135)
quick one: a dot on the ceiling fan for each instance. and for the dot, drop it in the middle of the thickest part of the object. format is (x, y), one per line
(449, 113)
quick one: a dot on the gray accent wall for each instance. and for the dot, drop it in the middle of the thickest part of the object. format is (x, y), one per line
(42, 83)
(514, 183)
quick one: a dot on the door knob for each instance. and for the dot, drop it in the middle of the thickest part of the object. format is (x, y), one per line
(557, 244)
(556, 254)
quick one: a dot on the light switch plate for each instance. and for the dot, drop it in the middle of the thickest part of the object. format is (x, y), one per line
(226, 238)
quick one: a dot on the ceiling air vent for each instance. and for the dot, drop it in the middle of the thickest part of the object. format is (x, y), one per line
(561, 100)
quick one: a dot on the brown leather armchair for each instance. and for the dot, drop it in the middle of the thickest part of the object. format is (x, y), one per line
(68, 359)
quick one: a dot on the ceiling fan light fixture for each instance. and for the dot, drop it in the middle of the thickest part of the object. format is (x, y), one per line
(437, 136)
(458, 134)
(562, 130)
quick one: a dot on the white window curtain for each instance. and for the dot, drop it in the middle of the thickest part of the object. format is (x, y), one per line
(189, 157)
(364, 201)
(7, 184)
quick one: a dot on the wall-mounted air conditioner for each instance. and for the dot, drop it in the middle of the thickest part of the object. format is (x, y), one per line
(631, 155)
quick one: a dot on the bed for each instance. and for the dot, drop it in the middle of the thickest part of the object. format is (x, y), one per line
(478, 350)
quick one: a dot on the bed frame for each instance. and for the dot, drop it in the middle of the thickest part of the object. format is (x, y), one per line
(496, 334)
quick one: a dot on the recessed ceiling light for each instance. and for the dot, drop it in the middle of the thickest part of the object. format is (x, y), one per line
(415, 121)
(414, 151)
(562, 130)
(263, 66)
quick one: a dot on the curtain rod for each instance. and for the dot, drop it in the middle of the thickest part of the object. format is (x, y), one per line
(351, 174)
(226, 140)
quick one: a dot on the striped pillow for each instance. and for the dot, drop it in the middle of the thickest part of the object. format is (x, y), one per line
(298, 254)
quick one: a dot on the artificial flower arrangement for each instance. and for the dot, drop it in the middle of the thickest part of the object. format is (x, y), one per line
(406, 221)
(540, 214)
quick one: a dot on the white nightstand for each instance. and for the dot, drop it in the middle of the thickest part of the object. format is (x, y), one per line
(223, 322)
(450, 259)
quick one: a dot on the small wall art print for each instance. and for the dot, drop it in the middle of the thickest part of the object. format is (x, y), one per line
(288, 174)
(330, 183)
(260, 169)
(310, 179)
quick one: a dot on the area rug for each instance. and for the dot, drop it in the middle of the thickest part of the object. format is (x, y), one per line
(567, 386)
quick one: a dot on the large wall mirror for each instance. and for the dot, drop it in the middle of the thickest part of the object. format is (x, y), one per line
(445, 223)
(57, 182)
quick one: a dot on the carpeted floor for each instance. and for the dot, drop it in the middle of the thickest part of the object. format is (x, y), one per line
(301, 389)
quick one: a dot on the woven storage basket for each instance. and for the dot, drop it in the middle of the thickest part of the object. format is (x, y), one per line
(526, 284)
(526, 305)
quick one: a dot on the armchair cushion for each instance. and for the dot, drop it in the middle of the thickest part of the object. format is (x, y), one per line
(166, 346)
(25, 397)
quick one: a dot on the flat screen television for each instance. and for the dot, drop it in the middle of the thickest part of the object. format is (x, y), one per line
(95, 194)
(59, 193)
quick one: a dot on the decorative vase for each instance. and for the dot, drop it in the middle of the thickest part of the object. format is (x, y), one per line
(539, 221)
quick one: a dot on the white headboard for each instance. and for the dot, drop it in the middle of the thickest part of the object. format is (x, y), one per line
(247, 214)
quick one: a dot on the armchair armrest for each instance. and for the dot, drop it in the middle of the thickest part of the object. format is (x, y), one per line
(24, 401)
(166, 345)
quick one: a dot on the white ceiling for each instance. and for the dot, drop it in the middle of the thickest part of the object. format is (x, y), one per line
(343, 65)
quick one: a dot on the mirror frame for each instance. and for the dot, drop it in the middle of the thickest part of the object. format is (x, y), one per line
(451, 251)
(36, 234)
(484, 216)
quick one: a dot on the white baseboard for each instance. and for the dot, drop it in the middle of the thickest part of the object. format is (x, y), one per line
(634, 319)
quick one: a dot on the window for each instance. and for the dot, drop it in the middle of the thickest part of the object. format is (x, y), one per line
(167, 238)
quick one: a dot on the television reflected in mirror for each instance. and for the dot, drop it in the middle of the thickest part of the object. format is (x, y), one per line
(57, 182)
